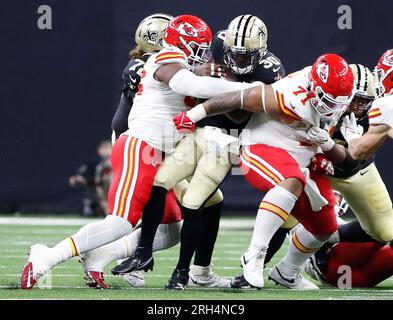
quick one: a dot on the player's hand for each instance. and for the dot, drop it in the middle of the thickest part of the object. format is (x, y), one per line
(320, 164)
(350, 129)
(321, 137)
(212, 70)
(183, 123)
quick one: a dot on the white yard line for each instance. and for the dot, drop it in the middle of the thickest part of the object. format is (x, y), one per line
(230, 224)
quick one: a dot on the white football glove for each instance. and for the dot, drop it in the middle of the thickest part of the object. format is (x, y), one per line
(350, 129)
(321, 137)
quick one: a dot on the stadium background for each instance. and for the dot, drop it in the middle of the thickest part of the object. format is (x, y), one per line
(59, 88)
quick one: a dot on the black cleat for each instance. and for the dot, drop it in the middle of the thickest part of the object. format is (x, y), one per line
(239, 282)
(138, 261)
(178, 280)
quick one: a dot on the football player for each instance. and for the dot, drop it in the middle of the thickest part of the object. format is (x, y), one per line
(380, 114)
(243, 49)
(370, 262)
(137, 154)
(284, 134)
(358, 180)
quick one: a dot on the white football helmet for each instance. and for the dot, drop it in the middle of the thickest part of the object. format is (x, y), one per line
(245, 43)
(151, 31)
(363, 90)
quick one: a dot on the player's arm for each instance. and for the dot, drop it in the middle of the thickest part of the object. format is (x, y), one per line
(365, 146)
(186, 83)
(259, 98)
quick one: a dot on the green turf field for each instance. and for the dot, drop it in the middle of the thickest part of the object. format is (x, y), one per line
(66, 280)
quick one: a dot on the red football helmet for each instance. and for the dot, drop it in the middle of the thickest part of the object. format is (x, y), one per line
(332, 82)
(383, 75)
(193, 36)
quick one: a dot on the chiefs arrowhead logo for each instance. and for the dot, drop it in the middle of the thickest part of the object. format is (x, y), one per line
(187, 29)
(323, 72)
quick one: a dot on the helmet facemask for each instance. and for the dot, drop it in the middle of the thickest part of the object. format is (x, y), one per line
(198, 53)
(330, 109)
(242, 61)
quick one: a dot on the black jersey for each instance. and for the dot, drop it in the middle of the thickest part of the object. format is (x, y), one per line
(343, 171)
(131, 77)
(269, 70)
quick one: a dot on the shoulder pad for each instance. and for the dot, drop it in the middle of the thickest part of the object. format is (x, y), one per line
(170, 55)
(381, 111)
(274, 69)
(293, 98)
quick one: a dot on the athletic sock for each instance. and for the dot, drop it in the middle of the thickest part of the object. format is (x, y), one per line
(151, 218)
(89, 237)
(303, 245)
(189, 236)
(353, 232)
(210, 223)
(275, 243)
(273, 211)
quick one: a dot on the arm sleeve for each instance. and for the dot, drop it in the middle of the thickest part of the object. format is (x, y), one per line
(120, 119)
(186, 83)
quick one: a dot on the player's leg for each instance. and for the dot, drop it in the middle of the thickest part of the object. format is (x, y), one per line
(211, 169)
(201, 271)
(275, 171)
(128, 170)
(239, 282)
(175, 168)
(369, 199)
(167, 235)
(316, 228)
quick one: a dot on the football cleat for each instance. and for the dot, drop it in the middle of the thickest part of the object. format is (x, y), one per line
(95, 279)
(178, 280)
(203, 276)
(138, 261)
(239, 282)
(134, 279)
(252, 262)
(36, 266)
(296, 283)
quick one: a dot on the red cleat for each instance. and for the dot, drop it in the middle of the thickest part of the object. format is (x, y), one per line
(95, 279)
(27, 281)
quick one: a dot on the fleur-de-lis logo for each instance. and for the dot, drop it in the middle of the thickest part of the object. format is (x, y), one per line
(150, 36)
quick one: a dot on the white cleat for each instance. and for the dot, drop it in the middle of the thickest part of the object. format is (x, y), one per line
(252, 262)
(205, 277)
(291, 281)
(134, 279)
(36, 266)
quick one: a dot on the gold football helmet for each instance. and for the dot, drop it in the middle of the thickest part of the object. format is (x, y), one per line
(245, 43)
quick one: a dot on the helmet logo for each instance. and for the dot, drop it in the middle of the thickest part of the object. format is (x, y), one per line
(323, 72)
(388, 60)
(187, 29)
(150, 36)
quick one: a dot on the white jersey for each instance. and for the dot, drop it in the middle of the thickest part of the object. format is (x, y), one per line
(381, 111)
(293, 98)
(156, 104)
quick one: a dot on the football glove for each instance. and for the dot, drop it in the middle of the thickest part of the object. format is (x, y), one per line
(183, 123)
(321, 137)
(350, 129)
(320, 164)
